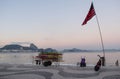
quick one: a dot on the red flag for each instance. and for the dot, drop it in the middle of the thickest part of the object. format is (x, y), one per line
(90, 14)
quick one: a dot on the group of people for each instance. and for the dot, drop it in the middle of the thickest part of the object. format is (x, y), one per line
(82, 63)
(101, 62)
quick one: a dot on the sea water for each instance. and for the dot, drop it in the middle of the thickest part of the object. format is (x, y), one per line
(69, 58)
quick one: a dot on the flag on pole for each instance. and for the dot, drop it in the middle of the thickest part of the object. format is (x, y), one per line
(90, 14)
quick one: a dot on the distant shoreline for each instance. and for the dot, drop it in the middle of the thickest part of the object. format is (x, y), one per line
(88, 51)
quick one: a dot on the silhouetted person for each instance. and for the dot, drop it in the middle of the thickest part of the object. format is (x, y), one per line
(82, 63)
(117, 63)
(98, 65)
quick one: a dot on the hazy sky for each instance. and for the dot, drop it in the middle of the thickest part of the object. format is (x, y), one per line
(57, 23)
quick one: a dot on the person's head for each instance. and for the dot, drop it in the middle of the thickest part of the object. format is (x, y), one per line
(99, 56)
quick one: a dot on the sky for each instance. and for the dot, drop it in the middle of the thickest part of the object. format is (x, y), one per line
(57, 23)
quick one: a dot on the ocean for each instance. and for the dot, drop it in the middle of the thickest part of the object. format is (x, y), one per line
(69, 58)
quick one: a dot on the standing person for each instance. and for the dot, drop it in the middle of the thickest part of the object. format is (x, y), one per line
(98, 65)
(117, 63)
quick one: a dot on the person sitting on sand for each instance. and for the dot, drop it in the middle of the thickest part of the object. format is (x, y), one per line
(83, 63)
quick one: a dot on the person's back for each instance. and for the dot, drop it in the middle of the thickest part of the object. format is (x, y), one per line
(83, 63)
(99, 62)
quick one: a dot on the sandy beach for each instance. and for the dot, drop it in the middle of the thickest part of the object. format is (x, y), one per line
(10, 71)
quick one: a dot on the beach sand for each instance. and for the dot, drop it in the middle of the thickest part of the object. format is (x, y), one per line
(15, 71)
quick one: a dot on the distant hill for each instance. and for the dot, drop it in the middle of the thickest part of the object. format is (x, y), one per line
(19, 48)
(32, 47)
(47, 50)
(74, 50)
(81, 50)
(12, 47)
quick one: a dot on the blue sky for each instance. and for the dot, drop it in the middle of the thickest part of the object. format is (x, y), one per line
(57, 23)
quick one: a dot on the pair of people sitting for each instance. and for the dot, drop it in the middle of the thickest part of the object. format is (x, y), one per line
(83, 63)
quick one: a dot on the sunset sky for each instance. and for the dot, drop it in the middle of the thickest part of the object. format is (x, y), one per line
(57, 23)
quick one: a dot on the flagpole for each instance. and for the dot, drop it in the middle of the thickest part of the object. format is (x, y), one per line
(103, 49)
(90, 14)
